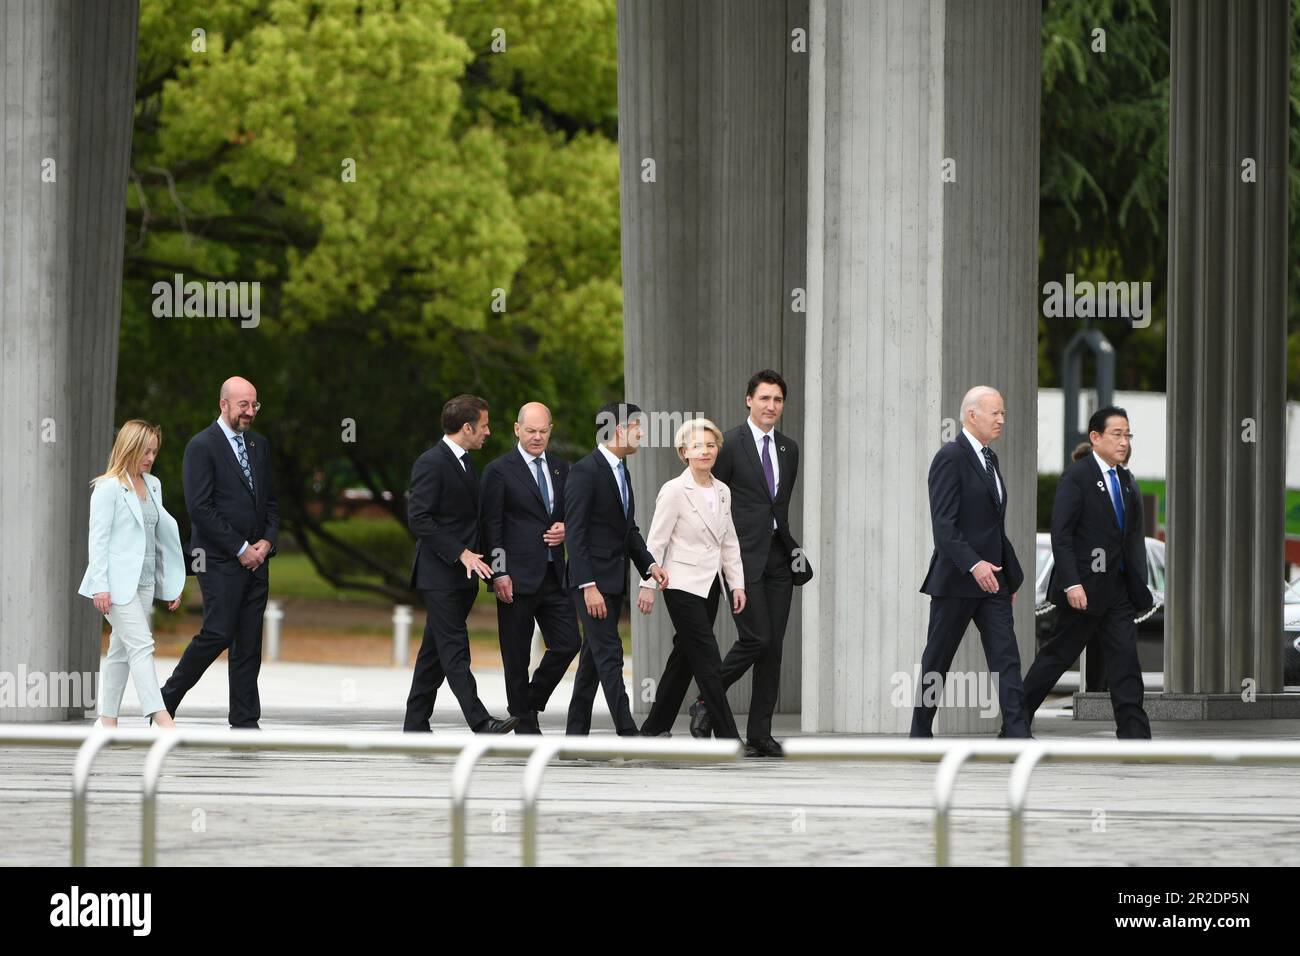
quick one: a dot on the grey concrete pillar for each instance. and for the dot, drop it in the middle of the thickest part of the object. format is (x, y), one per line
(716, 98)
(918, 289)
(1227, 346)
(68, 93)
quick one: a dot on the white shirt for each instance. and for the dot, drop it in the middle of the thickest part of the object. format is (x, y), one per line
(230, 441)
(528, 460)
(456, 450)
(710, 498)
(759, 435)
(979, 453)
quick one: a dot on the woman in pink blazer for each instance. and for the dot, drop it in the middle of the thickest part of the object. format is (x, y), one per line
(692, 537)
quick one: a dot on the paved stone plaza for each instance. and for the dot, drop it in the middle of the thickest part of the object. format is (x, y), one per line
(330, 809)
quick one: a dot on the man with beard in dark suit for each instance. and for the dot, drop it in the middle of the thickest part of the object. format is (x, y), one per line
(1099, 574)
(234, 522)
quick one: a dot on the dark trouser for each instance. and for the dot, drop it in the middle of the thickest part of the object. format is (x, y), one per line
(551, 607)
(949, 618)
(444, 652)
(1095, 678)
(1118, 635)
(600, 664)
(760, 631)
(233, 605)
(694, 653)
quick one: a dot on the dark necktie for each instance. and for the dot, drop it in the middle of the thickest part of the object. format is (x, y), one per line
(988, 466)
(768, 472)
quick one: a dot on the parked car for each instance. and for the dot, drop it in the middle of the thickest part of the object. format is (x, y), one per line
(1151, 627)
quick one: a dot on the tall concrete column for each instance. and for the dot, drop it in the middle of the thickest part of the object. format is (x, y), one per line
(713, 95)
(1227, 350)
(918, 289)
(68, 92)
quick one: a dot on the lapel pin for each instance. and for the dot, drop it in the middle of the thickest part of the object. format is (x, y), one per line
(1101, 486)
(782, 448)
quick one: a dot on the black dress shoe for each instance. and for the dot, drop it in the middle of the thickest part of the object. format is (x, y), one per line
(252, 726)
(767, 747)
(663, 733)
(700, 724)
(497, 725)
(527, 726)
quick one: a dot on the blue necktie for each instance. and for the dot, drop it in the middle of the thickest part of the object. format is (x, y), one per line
(622, 481)
(243, 460)
(546, 496)
(1116, 499)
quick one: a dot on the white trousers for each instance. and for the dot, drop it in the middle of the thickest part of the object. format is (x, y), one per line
(130, 651)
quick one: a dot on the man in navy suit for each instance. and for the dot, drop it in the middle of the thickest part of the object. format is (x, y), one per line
(522, 514)
(442, 513)
(601, 535)
(234, 522)
(973, 571)
(1099, 574)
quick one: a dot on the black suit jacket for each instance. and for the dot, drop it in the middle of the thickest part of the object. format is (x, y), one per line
(969, 523)
(1085, 534)
(513, 519)
(442, 513)
(752, 508)
(224, 511)
(599, 538)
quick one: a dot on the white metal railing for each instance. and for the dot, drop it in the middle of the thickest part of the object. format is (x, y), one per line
(951, 755)
(467, 748)
(1025, 755)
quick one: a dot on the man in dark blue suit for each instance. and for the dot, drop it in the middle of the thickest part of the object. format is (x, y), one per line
(522, 514)
(601, 535)
(1099, 574)
(442, 513)
(973, 571)
(234, 522)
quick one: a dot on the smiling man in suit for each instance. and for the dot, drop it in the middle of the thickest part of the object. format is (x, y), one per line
(233, 526)
(1099, 574)
(522, 514)
(760, 465)
(601, 534)
(973, 570)
(443, 514)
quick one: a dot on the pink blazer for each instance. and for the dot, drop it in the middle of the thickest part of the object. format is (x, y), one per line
(691, 543)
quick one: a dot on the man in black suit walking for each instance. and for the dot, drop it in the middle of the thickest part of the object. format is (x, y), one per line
(759, 464)
(1099, 574)
(234, 522)
(522, 513)
(973, 571)
(443, 514)
(601, 534)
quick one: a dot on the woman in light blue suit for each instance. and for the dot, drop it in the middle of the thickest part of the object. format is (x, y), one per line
(135, 552)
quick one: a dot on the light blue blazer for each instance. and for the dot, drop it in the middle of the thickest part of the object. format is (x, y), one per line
(117, 544)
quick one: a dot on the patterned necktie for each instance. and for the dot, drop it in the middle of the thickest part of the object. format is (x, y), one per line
(988, 466)
(768, 472)
(622, 481)
(243, 460)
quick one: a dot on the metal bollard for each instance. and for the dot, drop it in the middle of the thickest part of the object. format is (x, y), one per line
(401, 634)
(271, 627)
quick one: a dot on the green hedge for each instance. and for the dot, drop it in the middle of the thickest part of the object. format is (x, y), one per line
(381, 538)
